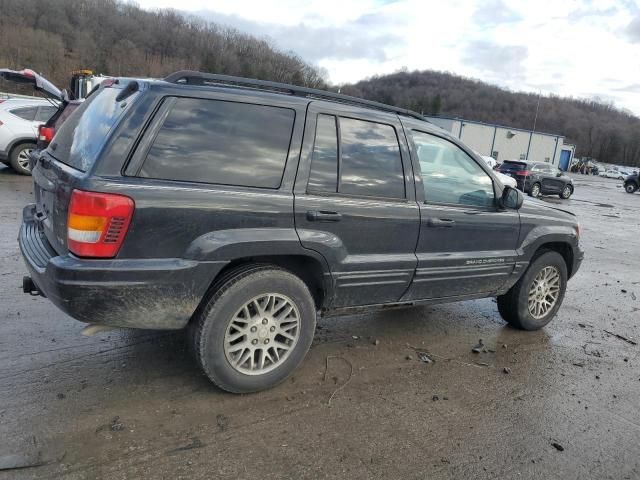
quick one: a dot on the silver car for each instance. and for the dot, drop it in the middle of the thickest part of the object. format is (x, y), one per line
(19, 121)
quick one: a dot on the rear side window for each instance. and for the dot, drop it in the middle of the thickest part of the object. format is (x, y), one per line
(82, 137)
(220, 142)
(45, 113)
(26, 113)
(370, 162)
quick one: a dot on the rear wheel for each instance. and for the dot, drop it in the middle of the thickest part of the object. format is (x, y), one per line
(630, 187)
(566, 192)
(254, 330)
(19, 158)
(535, 299)
(535, 190)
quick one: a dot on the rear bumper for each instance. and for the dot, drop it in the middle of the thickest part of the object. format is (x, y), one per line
(147, 293)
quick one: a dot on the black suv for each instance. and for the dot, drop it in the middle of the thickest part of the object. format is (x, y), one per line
(241, 208)
(538, 178)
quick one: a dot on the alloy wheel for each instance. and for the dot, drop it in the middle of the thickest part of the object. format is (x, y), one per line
(23, 158)
(262, 334)
(544, 292)
(535, 190)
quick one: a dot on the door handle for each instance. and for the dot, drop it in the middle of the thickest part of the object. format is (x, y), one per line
(323, 216)
(441, 222)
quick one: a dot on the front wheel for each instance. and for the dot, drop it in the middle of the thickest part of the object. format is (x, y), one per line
(535, 190)
(254, 330)
(19, 158)
(566, 192)
(630, 187)
(535, 299)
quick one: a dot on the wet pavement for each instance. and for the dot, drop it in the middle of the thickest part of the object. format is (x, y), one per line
(559, 403)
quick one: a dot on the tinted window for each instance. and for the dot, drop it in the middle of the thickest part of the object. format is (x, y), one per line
(45, 113)
(370, 160)
(449, 175)
(26, 113)
(510, 165)
(227, 143)
(324, 163)
(82, 137)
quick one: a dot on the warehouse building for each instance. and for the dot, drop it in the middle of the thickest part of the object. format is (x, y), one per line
(508, 143)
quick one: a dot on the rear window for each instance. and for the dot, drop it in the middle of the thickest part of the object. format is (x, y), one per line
(221, 142)
(513, 165)
(82, 137)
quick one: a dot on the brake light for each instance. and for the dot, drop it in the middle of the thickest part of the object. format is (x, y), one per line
(523, 173)
(45, 134)
(28, 73)
(97, 223)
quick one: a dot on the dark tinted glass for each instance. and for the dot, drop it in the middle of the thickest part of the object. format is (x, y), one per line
(45, 113)
(228, 143)
(82, 137)
(371, 163)
(27, 113)
(510, 165)
(324, 164)
(449, 175)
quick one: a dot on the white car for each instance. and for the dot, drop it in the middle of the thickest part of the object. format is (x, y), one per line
(19, 121)
(619, 174)
(505, 179)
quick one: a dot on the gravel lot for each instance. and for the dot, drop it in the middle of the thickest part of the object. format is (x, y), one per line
(132, 404)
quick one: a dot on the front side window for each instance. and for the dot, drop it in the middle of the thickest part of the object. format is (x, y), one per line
(449, 175)
(220, 142)
(370, 163)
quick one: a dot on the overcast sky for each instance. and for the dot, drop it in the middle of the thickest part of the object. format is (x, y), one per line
(572, 48)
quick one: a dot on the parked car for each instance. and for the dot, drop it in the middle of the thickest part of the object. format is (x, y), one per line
(618, 174)
(19, 121)
(632, 183)
(538, 178)
(505, 179)
(166, 204)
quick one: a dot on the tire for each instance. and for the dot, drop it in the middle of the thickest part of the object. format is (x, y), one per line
(567, 191)
(226, 322)
(534, 191)
(19, 158)
(514, 305)
(630, 187)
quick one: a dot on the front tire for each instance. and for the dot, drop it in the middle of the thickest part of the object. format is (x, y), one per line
(630, 187)
(535, 190)
(567, 191)
(19, 158)
(254, 330)
(535, 299)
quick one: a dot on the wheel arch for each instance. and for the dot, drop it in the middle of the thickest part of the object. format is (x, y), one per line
(17, 142)
(563, 248)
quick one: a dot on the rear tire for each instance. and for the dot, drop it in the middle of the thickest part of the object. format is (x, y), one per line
(254, 329)
(534, 191)
(520, 305)
(19, 158)
(567, 191)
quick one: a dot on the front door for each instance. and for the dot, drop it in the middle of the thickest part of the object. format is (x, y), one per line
(551, 182)
(355, 202)
(467, 246)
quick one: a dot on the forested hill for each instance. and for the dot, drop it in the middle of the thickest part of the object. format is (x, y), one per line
(112, 37)
(599, 130)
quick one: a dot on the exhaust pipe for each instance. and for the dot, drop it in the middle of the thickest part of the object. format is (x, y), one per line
(29, 286)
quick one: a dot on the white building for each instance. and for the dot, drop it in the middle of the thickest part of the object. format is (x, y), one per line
(508, 143)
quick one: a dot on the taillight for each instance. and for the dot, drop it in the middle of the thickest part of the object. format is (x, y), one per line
(45, 134)
(523, 173)
(97, 223)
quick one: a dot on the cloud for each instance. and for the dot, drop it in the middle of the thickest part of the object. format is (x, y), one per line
(367, 37)
(631, 88)
(633, 30)
(495, 12)
(503, 60)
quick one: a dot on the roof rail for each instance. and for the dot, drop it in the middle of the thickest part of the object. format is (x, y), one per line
(190, 77)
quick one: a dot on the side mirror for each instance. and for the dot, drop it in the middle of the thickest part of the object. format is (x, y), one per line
(512, 198)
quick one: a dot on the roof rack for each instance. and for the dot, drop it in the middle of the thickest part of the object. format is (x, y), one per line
(190, 77)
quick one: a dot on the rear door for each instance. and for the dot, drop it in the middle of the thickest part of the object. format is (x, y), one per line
(467, 245)
(355, 202)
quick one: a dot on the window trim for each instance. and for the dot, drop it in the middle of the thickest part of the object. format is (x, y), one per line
(140, 151)
(414, 153)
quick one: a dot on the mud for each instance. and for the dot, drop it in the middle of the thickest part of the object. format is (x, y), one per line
(558, 403)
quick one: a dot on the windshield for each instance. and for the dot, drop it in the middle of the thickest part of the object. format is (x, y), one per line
(82, 137)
